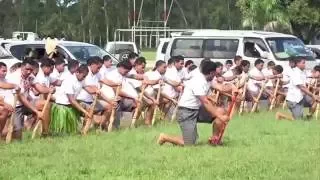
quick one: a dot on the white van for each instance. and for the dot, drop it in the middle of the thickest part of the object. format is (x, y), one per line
(221, 45)
(69, 49)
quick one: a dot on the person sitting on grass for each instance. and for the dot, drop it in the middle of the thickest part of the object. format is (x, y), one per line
(298, 95)
(194, 106)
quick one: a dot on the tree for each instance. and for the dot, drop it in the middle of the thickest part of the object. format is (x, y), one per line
(301, 17)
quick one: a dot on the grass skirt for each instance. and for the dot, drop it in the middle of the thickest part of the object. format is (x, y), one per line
(64, 119)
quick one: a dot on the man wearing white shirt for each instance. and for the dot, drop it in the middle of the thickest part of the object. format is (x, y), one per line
(45, 84)
(65, 112)
(193, 97)
(256, 78)
(6, 95)
(115, 78)
(106, 67)
(298, 95)
(173, 81)
(237, 61)
(184, 73)
(25, 80)
(91, 86)
(268, 72)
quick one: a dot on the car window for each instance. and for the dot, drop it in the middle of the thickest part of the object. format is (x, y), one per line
(20, 51)
(164, 47)
(220, 48)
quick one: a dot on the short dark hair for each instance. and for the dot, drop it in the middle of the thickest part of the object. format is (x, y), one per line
(208, 67)
(132, 55)
(298, 59)
(292, 59)
(125, 64)
(188, 63)
(237, 58)
(278, 68)
(271, 63)
(2, 64)
(73, 64)
(219, 64)
(47, 63)
(203, 62)
(158, 64)
(28, 61)
(229, 62)
(93, 60)
(179, 58)
(107, 58)
(245, 63)
(140, 60)
(59, 61)
(192, 67)
(258, 61)
(238, 70)
(317, 68)
(83, 69)
(170, 61)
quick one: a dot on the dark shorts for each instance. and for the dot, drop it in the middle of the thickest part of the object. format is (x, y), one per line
(187, 119)
(126, 105)
(297, 108)
(98, 108)
(20, 112)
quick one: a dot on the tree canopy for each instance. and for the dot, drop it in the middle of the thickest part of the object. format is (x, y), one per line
(96, 20)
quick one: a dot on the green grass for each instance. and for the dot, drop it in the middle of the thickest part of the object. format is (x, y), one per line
(256, 147)
(150, 55)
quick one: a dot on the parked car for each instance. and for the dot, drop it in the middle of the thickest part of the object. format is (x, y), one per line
(7, 58)
(121, 49)
(221, 45)
(69, 49)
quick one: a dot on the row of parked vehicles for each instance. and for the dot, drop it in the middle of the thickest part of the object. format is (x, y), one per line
(218, 45)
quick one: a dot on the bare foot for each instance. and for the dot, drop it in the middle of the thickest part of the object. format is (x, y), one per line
(161, 139)
(278, 116)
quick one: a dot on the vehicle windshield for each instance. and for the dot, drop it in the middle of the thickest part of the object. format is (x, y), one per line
(205, 48)
(119, 48)
(5, 54)
(82, 53)
(283, 48)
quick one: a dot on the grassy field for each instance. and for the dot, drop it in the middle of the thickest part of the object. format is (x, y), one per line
(255, 147)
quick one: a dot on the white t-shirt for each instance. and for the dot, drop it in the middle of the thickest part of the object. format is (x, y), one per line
(7, 94)
(115, 77)
(71, 86)
(24, 84)
(135, 83)
(104, 71)
(197, 86)
(184, 74)
(298, 78)
(172, 75)
(44, 80)
(251, 82)
(268, 72)
(287, 73)
(153, 76)
(90, 80)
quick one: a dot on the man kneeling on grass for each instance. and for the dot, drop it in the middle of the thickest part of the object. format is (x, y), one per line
(299, 96)
(193, 105)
